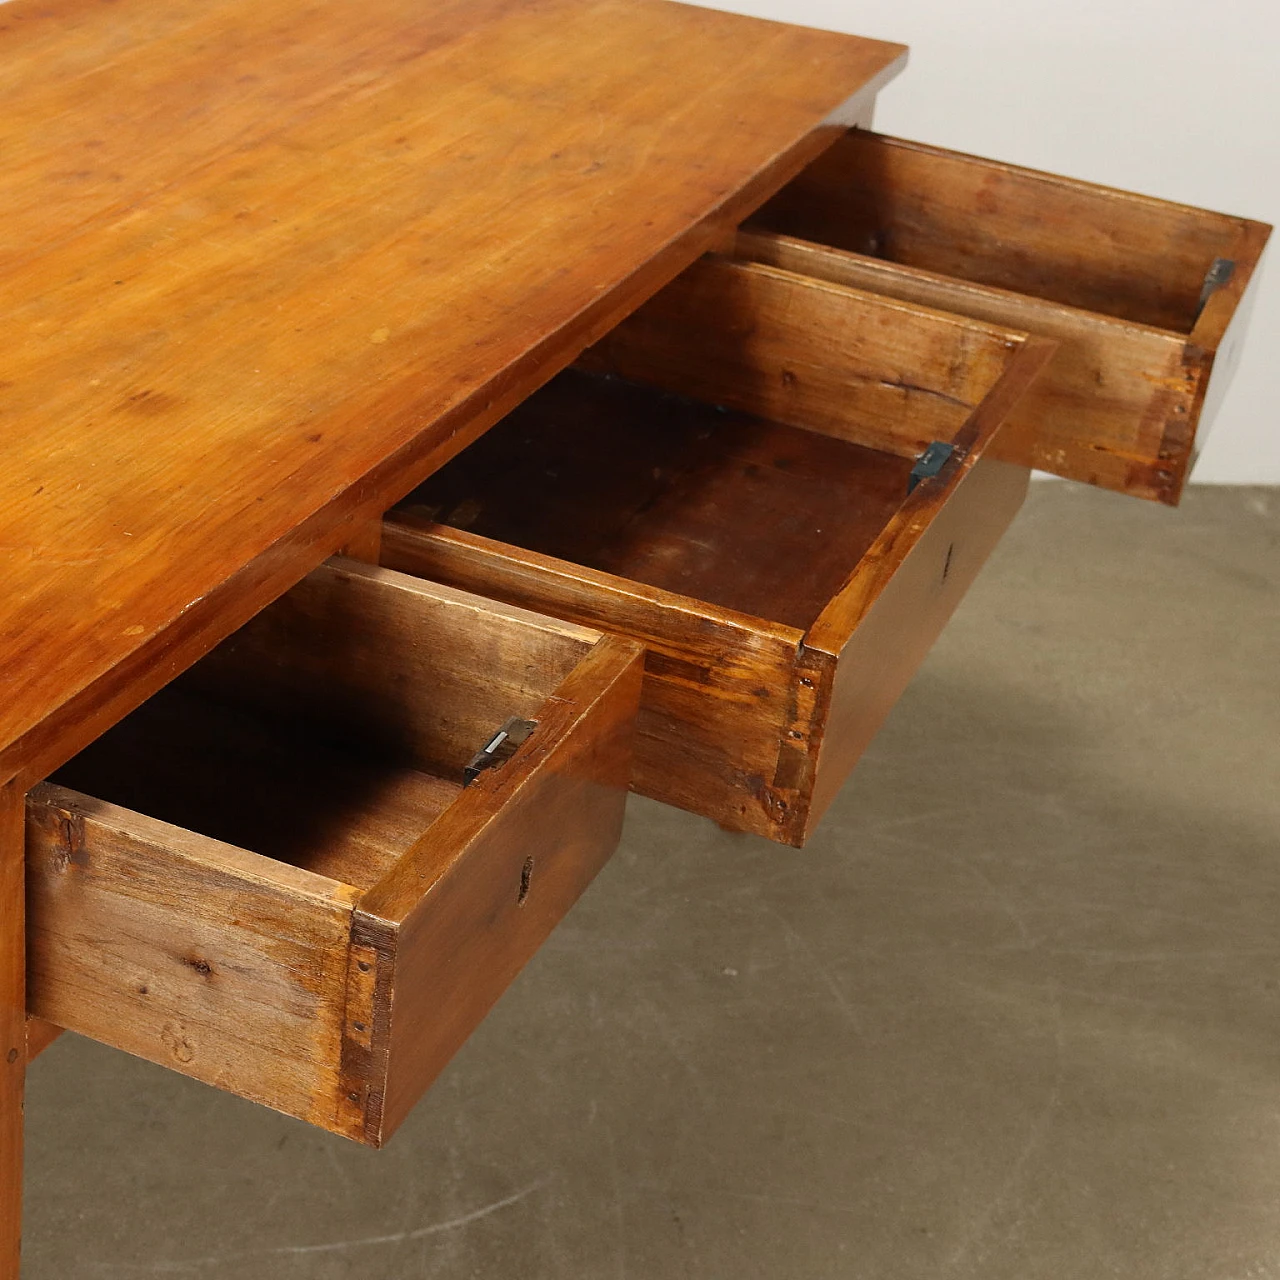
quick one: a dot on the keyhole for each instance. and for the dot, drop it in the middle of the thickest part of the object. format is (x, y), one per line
(526, 874)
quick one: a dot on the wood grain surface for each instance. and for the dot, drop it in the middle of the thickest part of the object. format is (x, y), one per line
(716, 682)
(1101, 410)
(872, 637)
(742, 513)
(265, 265)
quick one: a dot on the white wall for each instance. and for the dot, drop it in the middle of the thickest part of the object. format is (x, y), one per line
(1173, 98)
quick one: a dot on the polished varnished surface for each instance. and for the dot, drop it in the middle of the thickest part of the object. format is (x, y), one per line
(750, 515)
(259, 261)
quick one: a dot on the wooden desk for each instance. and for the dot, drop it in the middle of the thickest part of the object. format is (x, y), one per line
(266, 267)
(270, 265)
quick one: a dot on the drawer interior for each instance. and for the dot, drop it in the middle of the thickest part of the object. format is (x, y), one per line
(746, 514)
(743, 440)
(343, 809)
(1142, 260)
(324, 735)
(1147, 301)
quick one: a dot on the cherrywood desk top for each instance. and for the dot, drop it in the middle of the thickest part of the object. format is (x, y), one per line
(265, 263)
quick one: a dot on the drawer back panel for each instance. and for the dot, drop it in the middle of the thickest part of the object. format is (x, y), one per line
(417, 671)
(809, 353)
(1109, 251)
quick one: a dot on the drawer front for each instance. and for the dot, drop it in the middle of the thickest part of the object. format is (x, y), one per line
(1146, 299)
(754, 530)
(330, 964)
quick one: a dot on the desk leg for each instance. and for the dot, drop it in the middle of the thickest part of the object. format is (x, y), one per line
(13, 1025)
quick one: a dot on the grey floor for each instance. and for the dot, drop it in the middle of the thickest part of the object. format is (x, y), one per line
(1014, 1013)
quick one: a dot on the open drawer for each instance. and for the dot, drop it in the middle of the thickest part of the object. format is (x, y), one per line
(272, 877)
(1143, 297)
(727, 478)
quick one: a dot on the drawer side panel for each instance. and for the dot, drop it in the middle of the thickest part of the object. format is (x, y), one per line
(535, 836)
(893, 638)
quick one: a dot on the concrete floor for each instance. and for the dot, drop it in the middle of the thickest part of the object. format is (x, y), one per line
(1014, 1013)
